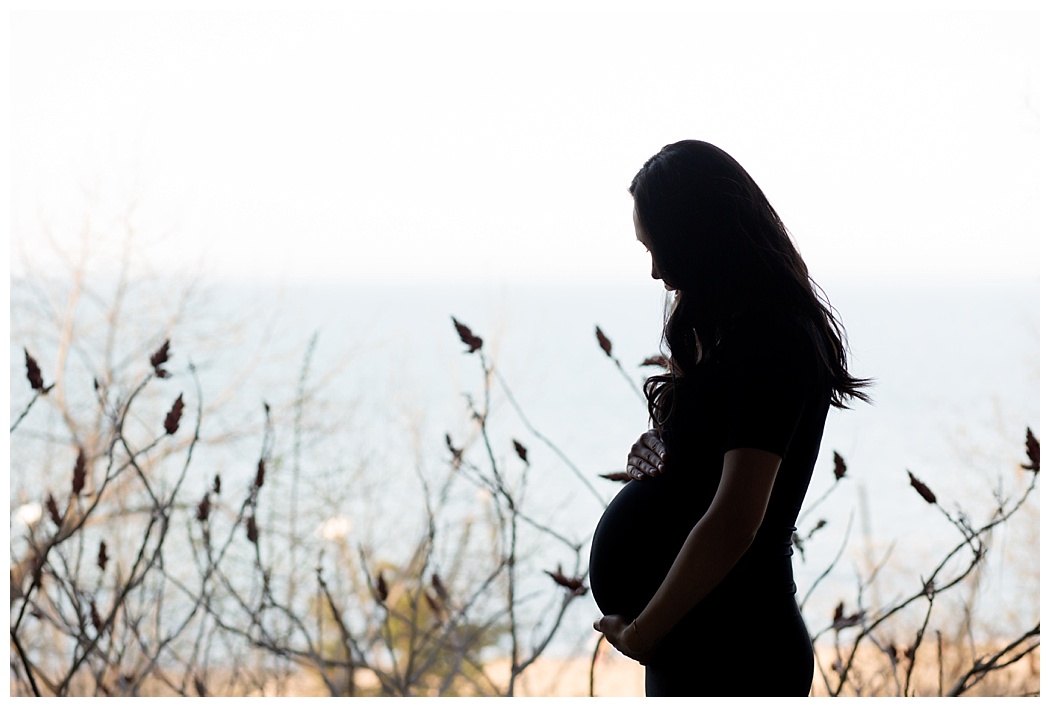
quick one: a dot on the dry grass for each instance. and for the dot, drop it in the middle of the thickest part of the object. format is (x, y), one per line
(616, 676)
(874, 675)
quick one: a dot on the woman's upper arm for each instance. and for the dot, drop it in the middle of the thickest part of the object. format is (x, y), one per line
(769, 375)
(744, 490)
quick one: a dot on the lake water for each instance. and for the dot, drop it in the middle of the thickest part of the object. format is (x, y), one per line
(957, 371)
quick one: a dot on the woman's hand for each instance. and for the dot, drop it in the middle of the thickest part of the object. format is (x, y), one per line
(647, 456)
(624, 637)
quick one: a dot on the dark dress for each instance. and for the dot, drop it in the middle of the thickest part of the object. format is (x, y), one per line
(763, 389)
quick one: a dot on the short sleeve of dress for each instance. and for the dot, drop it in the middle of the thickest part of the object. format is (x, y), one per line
(768, 374)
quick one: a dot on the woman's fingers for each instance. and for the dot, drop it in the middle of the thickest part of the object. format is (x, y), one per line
(617, 632)
(644, 463)
(652, 441)
(635, 472)
(647, 456)
(639, 467)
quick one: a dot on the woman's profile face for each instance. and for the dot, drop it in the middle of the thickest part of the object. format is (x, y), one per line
(643, 238)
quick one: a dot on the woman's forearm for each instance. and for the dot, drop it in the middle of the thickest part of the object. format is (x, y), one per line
(712, 548)
(716, 543)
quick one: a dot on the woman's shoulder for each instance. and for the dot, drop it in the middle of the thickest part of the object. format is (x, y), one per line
(775, 338)
(771, 327)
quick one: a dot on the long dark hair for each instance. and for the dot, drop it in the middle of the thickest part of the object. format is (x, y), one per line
(717, 240)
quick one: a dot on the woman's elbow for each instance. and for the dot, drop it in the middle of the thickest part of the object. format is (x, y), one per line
(744, 536)
(737, 534)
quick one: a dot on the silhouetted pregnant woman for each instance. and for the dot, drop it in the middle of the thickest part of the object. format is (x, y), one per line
(691, 561)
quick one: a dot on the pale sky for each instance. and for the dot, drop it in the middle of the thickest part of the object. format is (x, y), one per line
(405, 141)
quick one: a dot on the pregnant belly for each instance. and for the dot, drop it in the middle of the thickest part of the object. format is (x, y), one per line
(637, 540)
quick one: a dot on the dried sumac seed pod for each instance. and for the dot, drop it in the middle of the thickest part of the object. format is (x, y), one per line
(439, 587)
(36, 380)
(204, 508)
(79, 473)
(1032, 449)
(260, 474)
(657, 360)
(521, 451)
(603, 341)
(468, 337)
(840, 466)
(160, 357)
(573, 584)
(922, 488)
(171, 421)
(382, 591)
(52, 510)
